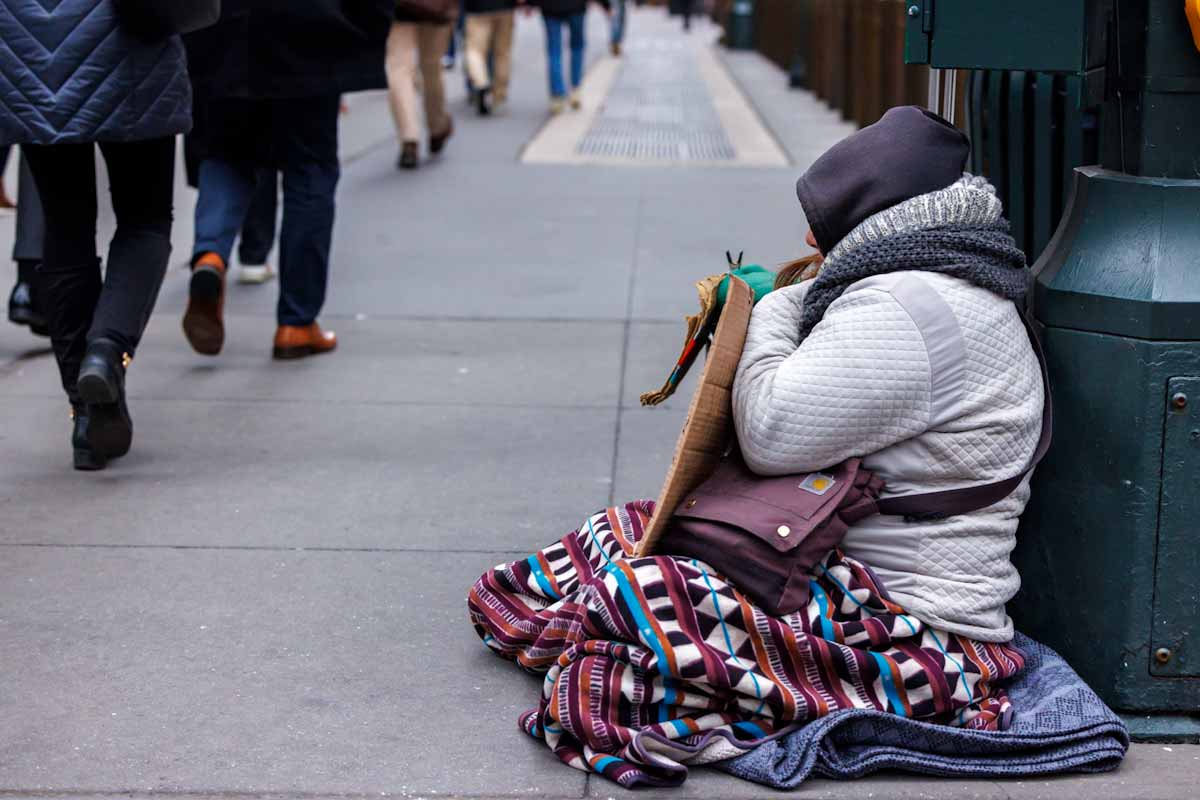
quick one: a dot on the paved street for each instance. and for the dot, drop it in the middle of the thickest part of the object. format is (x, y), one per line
(266, 598)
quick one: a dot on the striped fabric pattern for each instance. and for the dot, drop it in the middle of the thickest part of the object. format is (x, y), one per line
(653, 663)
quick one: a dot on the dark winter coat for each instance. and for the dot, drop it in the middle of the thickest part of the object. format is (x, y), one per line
(291, 48)
(564, 8)
(70, 72)
(488, 6)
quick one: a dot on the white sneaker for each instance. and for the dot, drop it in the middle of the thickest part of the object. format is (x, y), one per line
(255, 273)
(557, 105)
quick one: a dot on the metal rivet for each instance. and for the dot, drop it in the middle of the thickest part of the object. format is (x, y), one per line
(1179, 401)
(914, 10)
(691, 503)
(784, 531)
(1162, 655)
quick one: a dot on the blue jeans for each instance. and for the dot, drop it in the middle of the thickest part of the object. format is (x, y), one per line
(618, 21)
(554, 37)
(302, 134)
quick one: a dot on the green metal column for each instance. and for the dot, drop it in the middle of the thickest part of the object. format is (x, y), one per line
(1109, 547)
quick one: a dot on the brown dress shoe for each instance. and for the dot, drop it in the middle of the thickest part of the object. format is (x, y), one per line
(298, 341)
(203, 322)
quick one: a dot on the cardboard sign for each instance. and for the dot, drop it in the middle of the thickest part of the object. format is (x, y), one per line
(709, 425)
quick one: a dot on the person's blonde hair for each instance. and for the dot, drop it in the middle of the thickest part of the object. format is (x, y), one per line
(799, 270)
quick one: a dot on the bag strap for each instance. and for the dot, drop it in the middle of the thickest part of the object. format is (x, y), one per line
(948, 503)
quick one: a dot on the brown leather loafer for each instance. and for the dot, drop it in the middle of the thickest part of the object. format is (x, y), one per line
(203, 322)
(298, 341)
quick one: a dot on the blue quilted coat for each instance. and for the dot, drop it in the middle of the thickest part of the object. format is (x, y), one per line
(69, 72)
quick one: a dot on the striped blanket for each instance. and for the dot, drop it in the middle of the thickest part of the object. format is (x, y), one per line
(653, 663)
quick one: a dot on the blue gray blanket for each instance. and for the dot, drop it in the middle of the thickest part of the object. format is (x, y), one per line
(1060, 726)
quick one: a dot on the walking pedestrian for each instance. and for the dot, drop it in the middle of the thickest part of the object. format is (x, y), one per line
(275, 107)
(25, 303)
(489, 29)
(569, 15)
(129, 95)
(617, 26)
(420, 35)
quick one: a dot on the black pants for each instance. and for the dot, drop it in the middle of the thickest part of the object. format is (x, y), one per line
(78, 305)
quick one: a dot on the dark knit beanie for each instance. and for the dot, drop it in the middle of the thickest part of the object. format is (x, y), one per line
(908, 152)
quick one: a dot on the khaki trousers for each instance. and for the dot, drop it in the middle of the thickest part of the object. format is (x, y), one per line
(491, 31)
(411, 44)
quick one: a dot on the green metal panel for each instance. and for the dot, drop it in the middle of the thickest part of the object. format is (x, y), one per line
(1035, 35)
(975, 128)
(1087, 546)
(997, 82)
(1015, 205)
(1045, 211)
(1175, 647)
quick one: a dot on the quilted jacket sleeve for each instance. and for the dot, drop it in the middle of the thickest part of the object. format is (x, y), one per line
(859, 383)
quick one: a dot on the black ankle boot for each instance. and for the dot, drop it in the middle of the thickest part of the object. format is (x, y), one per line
(102, 386)
(86, 457)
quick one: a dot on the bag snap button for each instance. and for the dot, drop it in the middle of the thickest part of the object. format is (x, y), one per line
(784, 531)
(691, 503)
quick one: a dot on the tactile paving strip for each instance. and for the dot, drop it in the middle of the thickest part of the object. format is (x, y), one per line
(658, 109)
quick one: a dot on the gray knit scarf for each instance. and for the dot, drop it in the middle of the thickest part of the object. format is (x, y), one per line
(957, 231)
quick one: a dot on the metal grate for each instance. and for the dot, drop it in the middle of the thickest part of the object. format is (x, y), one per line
(658, 109)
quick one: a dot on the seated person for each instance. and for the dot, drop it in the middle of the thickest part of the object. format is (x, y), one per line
(908, 350)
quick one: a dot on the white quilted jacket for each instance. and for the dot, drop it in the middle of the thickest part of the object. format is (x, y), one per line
(934, 382)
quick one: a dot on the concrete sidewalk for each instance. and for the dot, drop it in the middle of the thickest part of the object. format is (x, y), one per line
(266, 598)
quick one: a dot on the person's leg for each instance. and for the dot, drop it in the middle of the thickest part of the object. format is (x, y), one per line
(69, 277)
(224, 195)
(431, 42)
(478, 40)
(25, 301)
(142, 179)
(306, 135)
(401, 66)
(225, 192)
(502, 54)
(258, 228)
(617, 30)
(558, 89)
(578, 42)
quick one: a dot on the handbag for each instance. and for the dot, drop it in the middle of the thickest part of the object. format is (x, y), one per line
(767, 534)
(153, 20)
(438, 11)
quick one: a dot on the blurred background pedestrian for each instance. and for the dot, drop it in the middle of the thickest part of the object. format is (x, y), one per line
(421, 34)
(268, 81)
(489, 30)
(616, 26)
(131, 96)
(569, 16)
